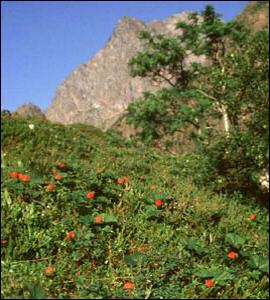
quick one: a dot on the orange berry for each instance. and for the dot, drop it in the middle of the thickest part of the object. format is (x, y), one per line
(120, 180)
(99, 219)
(232, 255)
(91, 195)
(158, 202)
(14, 175)
(71, 235)
(25, 178)
(209, 283)
(20, 175)
(252, 216)
(129, 285)
(49, 270)
(51, 186)
(58, 177)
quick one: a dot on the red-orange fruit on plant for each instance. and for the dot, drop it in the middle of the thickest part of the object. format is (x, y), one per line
(99, 219)
(25, 178)
(158, 203)
(62, 165)
(91, 195)
(252, 216)
(54, 171)
(71, 234)
(209, 283)
(129, 285)
(49, 270)
(20, 175)
(51, 186)
(232, 255)
(14, 175)
(58, 177)
(126, 179)
(120, 180)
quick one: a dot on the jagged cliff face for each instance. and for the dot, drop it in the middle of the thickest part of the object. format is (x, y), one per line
(99, 91)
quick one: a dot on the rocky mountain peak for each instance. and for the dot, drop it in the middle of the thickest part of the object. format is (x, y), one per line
(127, 25)
(30, 110)
(99, 91)
(129, 22)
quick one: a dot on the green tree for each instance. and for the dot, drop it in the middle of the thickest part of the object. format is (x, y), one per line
(231, 85)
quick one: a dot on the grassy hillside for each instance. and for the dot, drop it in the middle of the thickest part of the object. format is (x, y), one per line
(84, 216)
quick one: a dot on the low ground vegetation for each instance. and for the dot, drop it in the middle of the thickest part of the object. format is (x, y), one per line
(85, 215)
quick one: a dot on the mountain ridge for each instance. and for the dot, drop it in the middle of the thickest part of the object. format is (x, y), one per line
(99, 91)
(88, 95)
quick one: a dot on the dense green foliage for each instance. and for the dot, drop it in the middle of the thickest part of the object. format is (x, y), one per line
(90, 215)
(223, 104)
(156, 229)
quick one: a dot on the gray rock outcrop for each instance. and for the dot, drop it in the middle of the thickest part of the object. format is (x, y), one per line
(99, 91)
(30, 110)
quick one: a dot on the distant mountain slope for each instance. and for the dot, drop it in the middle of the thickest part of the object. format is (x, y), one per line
(98, 92)
(30, 110)
(255, 15)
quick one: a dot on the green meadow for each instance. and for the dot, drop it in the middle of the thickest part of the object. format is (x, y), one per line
(89, 215)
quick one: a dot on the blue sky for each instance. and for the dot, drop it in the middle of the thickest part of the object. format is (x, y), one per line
(43, 41)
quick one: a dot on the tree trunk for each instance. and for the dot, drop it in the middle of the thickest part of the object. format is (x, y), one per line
(226, 120)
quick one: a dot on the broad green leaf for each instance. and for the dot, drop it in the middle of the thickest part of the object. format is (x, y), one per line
(36, 291)
(196, 245)
(224, 276)
(255, 274)
(152, 211)
(86, 220)
(235, 240)
(259, 262)
(134, 259)
(109, 218)
(208, 273)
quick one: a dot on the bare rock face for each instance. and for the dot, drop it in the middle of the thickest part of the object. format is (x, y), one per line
(255, 15)
(99, 91)
(30, 110)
